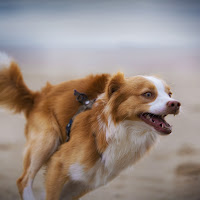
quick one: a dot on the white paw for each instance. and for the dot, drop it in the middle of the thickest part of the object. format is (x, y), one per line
(28, 193)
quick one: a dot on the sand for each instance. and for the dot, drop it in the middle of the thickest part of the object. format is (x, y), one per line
(171, 171)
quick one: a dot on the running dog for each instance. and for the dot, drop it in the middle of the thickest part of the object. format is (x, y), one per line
(124, 122)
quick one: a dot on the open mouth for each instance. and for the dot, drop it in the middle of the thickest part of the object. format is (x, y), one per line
(157, 121)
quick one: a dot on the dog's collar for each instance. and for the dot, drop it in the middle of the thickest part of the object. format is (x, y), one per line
(86, 104)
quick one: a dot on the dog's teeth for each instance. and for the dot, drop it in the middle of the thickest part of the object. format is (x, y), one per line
(148, 117)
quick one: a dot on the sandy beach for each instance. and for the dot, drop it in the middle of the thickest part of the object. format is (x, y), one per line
(171, 171)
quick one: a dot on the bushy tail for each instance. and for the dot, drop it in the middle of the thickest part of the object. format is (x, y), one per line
(14, 94)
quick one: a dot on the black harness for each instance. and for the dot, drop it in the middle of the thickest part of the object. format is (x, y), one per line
(86, 105)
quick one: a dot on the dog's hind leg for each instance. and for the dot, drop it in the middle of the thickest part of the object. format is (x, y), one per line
(39, 149)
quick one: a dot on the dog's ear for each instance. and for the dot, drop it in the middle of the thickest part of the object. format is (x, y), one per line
(114, 84)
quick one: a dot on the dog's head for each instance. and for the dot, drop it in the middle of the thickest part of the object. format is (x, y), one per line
(141, 98)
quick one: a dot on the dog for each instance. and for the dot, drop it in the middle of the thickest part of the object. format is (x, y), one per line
(124, 123)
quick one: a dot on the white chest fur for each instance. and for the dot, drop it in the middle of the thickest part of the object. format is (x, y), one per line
(127, 142)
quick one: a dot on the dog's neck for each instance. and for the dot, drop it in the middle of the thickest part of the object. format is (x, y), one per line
(126, 141)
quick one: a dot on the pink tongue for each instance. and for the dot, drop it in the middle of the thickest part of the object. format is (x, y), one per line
(160, 124)
(157, 122)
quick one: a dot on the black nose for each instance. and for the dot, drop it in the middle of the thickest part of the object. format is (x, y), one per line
(173, 107)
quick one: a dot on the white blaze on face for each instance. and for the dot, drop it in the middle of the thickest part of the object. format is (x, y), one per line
(158, 106)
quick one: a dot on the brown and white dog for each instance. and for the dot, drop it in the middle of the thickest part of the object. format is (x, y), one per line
(123, 124)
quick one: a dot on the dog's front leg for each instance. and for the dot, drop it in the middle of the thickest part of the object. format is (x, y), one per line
(55, 178)
(74, 190)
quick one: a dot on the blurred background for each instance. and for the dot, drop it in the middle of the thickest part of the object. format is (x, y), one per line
(61, 40)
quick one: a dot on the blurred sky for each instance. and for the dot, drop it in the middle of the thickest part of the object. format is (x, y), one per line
(91, 23)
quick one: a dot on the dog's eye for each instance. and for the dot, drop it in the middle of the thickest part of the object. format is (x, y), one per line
(147, 94)
(170, 94)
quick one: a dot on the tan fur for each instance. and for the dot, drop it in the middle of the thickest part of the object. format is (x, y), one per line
(87, 143)
(14, 93)
(49, 111)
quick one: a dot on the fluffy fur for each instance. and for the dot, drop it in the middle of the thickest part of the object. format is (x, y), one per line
(14, 93)
(104, 140)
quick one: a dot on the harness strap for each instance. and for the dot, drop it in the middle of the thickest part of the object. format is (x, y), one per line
(68, 129)
(86, 105)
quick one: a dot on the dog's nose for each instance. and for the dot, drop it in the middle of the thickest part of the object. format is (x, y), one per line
(173, 107)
